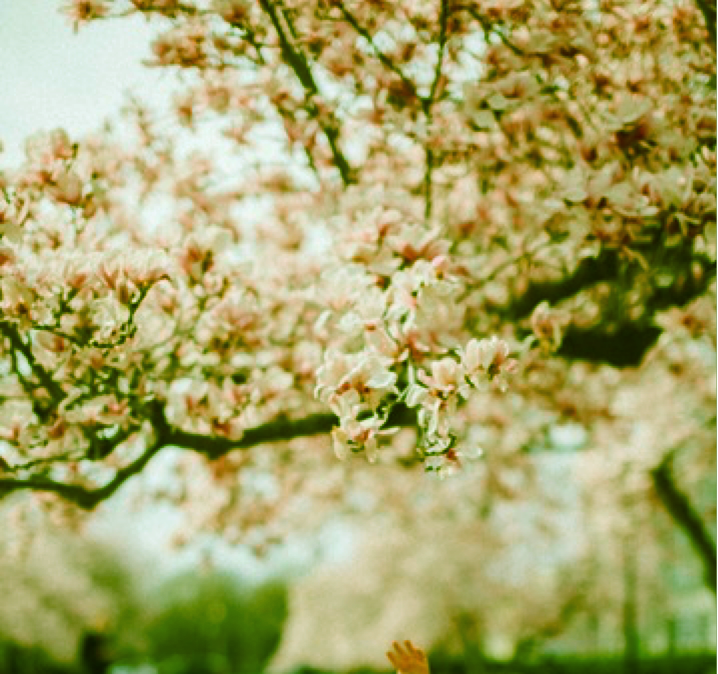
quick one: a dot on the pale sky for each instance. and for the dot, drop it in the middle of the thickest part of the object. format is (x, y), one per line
(51, 77)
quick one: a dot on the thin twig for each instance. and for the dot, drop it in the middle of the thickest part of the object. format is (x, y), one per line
(385, 60)
(296, 60)
(428, 103)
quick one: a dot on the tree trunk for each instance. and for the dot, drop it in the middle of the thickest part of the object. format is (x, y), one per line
(685, 515)
(630, 608)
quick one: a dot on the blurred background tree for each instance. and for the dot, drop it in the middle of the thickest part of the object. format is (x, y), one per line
(207, 622)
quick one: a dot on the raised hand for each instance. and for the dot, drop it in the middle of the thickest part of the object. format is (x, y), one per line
(408, 659)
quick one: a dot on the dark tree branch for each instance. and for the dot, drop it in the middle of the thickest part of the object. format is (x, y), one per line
(212, 447)
(687, 286)
(708, 9)
(17, 343)
(621, 344)
(296, 60)
(492, 30)
(88, 498)
(429, 159)
(278, 430)
(443, 25)
(623, 347)
(426, 102)
(383, 58)
(684, 514)
(83, 497)
(589, 271)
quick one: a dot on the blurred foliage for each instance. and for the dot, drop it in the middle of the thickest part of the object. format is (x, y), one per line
(701, 663)
(72, 604)
(210, 623)
(16, 659)
(58, 586)
(198, 654)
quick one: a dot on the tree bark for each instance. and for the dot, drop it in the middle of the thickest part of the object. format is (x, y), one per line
(686, 517)
(708, 9)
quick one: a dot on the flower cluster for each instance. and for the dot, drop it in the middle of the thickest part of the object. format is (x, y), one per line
(362, 389)
(481, 364)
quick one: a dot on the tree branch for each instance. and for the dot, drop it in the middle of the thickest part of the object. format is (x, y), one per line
(429, 153)
(83, 497)
(684, 514)
(622, 344)
(298, 63)
(426, 102)
(279, 430)
(16, 342)
(489, 29)
(708, 9)
(385, 60)
(589, 271)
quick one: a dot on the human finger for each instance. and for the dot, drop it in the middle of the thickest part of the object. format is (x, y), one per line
(412, 650)
(398, 649)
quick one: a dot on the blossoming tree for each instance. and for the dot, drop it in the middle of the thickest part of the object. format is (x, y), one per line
(451, 226)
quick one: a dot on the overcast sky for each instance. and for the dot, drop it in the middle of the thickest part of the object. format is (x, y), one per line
(51, 76)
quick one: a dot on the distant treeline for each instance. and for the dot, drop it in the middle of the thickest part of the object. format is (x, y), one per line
(695, 663)
(17, 660)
